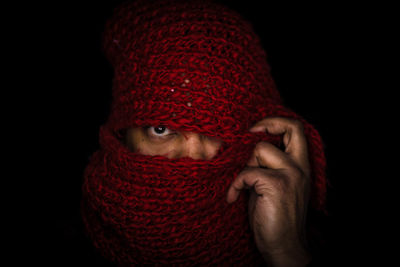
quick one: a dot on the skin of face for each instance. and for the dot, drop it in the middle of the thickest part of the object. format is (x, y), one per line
(159, 140)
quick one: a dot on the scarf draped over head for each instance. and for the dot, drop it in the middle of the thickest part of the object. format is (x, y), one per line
(190, 66)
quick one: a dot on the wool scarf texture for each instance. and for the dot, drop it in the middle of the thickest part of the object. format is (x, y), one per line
(190, 66)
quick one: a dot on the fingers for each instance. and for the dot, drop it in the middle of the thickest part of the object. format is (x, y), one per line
(267, 155)
(293, 138)
(271, 170)
(249, 178)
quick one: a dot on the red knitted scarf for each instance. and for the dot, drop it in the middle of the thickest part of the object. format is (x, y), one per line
(191, 66)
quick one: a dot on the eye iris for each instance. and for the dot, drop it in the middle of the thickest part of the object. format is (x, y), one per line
(159, 129)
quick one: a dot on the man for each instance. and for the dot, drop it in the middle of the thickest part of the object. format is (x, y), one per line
(195, 119)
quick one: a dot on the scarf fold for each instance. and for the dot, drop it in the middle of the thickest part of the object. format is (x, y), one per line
(190, 66)
(151, 210)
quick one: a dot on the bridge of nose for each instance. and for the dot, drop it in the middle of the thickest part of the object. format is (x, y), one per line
(195, 146)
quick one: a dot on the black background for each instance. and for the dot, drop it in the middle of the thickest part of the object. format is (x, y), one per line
(312, 50)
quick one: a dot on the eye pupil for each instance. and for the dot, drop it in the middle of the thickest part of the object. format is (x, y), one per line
(159, 129)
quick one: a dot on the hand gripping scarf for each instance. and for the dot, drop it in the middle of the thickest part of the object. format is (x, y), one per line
(190, 66)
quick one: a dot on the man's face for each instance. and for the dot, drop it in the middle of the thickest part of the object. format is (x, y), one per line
(162, 141)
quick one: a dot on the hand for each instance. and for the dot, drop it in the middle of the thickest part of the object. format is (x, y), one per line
(280, 184)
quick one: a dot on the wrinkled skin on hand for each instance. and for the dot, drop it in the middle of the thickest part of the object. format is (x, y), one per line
(280, 186)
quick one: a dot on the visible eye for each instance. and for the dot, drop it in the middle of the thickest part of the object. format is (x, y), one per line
(159, 131)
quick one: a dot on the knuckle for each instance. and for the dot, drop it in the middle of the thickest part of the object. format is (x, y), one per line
(279, 183)
(297, 124)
